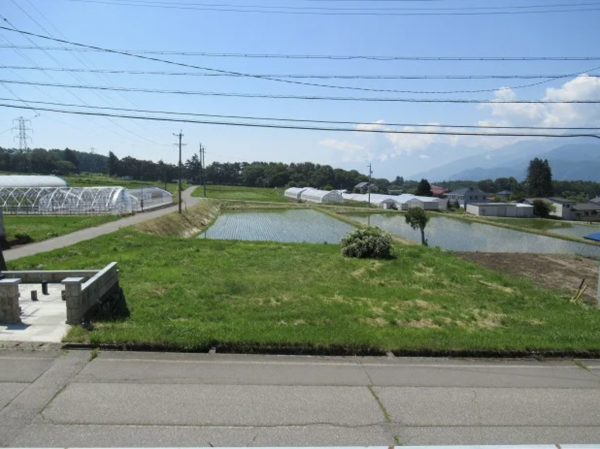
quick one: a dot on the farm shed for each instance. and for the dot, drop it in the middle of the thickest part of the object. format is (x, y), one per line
(427, 203)
(31, 181)
(500, 210)
(149, 198)
(295, 192)
(65, 200)
(321, 196)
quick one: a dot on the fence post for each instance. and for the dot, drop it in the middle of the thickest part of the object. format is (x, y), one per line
(73, 299)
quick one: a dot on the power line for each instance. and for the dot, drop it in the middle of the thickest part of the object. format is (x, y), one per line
(304, 97)
(81, 59)
(300, 76)
(305, 128)
(296, 120)
(346, 8)
(240, 9)
(309, 56)
(537, 83)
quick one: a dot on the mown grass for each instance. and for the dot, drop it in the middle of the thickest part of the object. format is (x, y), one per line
(241, 193)
(44, 227)
(188, 294)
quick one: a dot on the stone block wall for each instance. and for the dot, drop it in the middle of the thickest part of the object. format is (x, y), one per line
(9, 301)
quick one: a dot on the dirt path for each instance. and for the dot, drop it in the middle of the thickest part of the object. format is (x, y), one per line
(558, 272)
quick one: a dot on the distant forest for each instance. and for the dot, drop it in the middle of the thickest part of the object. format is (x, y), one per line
(250, 174)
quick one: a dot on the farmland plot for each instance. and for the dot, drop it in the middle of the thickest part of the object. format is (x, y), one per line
(306, 226)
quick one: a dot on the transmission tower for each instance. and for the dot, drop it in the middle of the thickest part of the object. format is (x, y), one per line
(22, 130)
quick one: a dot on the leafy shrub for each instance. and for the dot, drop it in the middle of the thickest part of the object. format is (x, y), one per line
(23, 236)
(367, 243)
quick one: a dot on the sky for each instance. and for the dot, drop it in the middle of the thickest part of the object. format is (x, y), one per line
(125, 25)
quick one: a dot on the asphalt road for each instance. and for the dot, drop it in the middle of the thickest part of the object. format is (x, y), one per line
(49, 399)
(90, 233)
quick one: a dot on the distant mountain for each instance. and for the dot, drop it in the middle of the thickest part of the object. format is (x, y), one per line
(575, 161)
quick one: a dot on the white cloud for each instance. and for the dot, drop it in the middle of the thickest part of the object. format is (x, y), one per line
(340, 144)
(386, 145)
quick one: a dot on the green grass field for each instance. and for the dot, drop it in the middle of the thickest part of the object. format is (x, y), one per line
(42, 227)
(240, 193)
(253, 296)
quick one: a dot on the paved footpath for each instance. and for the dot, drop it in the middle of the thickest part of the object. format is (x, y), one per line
(90, 233)
(49, 399)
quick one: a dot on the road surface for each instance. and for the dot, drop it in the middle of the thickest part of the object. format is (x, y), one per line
(49, 399)
(90, 233)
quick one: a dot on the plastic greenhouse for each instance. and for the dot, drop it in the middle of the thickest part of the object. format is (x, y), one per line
(321, 196)
(149, 198)
(65, 200)
(31, 181)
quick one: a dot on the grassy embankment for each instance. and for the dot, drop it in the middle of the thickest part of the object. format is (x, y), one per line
(40, 228)
(189, 294)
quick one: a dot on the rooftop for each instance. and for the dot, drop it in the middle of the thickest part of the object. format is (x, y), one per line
(586, 206)
(466, 190)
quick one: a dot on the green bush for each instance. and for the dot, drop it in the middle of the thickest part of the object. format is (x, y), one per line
(368, 243)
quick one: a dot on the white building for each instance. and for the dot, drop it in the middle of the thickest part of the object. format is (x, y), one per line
(321, 196)
(500, 210)
(427, 203)
(295, 192)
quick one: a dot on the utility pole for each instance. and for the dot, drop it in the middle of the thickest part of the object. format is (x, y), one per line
(180, 135)
(202, 153)
(369, 187)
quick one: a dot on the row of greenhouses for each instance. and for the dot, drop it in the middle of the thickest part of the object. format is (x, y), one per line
(51, 197)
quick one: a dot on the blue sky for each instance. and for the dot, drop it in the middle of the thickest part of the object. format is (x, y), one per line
(140, 28)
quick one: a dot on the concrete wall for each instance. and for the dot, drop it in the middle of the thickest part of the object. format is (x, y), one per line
(54, 277)
(9, 301)
(84, 297)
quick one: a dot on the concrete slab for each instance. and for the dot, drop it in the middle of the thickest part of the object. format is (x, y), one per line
(500, 376)
(48, 435)
(211, 405)
(491, 407)
(221, 372)
(21, 369)
(419, 436)
(9, 391)
(43, 320)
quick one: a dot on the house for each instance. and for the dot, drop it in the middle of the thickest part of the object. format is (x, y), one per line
(504, 194)
(466, 196)
(596, 200)
(562, 207)
(586, 211)
(438, 191)
(364, 187)
(500, 210)
(427, 203)
(396, 192)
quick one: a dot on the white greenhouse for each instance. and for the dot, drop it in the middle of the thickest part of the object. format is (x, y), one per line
(149, 198)
(321, 196)
(427, 203)
(31, 181)
(65, 200)
(295, 192)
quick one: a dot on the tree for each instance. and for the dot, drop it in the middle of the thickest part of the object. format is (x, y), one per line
(70, 156)
(417, 218)
(113, 164)
(539, 178)
(399, 181)
(424, 188)
(328, 187)
(487, 185)
(542, 209)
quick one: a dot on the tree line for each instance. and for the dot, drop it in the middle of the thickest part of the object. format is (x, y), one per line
(539, 182)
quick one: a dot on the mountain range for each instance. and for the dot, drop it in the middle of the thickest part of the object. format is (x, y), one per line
(578, 160)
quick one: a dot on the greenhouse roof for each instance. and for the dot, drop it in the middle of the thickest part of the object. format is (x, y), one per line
(31, 181)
